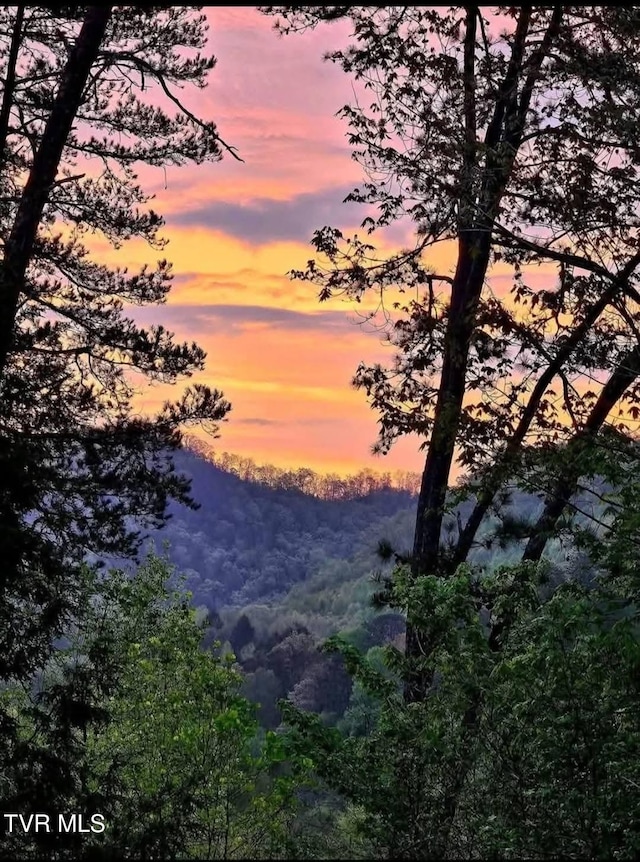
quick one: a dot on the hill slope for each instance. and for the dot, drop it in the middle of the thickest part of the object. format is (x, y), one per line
(249, 542)
(283, 569)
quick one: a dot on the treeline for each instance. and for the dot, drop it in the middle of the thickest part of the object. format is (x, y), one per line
(325, 486)
(249, 542)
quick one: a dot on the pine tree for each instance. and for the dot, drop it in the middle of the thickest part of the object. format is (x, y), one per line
(89, 94)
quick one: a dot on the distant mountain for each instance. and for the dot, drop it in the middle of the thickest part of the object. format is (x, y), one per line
(257, 538)
(285, 558)
(251, 540)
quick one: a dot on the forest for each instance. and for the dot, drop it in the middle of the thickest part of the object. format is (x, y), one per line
(207, 657)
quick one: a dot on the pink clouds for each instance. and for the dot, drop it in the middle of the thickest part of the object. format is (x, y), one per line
(236, 228)
(273, 99)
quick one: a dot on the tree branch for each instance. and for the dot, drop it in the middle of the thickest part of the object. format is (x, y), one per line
(19, 246)
(625, 374)
(492, 486)
(144, 66)
(9, 85)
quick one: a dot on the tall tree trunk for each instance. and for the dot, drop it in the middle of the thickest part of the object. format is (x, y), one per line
(473, 259)
(479, 205)
(467, 285)
(19, 246)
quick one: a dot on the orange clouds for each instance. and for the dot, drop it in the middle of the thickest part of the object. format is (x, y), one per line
(236, 228)
(288, 378)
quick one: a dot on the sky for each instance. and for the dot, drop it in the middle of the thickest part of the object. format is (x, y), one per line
(235, 229)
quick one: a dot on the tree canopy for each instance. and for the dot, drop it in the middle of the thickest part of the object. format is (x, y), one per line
(89, 95)
(507, 136)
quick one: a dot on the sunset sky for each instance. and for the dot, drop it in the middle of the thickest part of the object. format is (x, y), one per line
(284, 360)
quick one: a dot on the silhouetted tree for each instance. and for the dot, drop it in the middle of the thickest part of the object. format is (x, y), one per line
(507, 135)
(476, 137)
(88, 93)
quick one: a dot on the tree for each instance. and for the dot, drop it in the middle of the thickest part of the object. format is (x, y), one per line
(133, 720)
(507, 134)
(89, 93)
(180, 761)
(552, 771)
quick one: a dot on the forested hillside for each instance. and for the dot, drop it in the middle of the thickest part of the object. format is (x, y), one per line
(256, 537)
(250, 541)
(280, 569)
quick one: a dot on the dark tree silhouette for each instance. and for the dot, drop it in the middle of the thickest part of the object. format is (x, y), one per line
(79, 469)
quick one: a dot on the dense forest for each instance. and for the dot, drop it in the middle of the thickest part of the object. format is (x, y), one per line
(205, 658)
(309, 568)
(251, 539)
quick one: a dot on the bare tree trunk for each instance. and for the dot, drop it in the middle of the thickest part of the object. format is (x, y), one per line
(19, 246)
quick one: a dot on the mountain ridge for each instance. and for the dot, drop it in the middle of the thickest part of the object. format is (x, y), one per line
(252, 541)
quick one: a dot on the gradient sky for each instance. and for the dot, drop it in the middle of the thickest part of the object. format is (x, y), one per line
(283, 360)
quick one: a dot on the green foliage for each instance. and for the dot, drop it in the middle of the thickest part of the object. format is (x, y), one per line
(562, 733)
(147, 729)
(529, 751)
